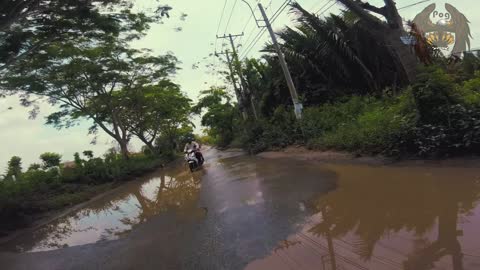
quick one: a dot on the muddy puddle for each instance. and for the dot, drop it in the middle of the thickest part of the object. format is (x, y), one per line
(116, 214)
(411, 218)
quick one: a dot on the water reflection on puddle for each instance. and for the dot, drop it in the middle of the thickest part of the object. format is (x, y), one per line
(116, 214)
(409, 218)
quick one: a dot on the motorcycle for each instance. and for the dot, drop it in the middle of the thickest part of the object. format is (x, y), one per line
(192, 160)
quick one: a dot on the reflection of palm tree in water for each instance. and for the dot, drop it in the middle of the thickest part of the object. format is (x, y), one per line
(371, 207)
(446, 244)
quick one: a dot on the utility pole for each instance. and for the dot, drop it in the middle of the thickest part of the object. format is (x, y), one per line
(298, 107)
(239, 72)
(238, 92)
(293, 91)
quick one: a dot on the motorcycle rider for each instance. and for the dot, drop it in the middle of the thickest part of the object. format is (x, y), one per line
(193, 145)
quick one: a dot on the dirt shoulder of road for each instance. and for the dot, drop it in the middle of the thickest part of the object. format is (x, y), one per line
(302, 153)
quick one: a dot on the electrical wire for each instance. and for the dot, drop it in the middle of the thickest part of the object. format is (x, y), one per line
(315, 4)
(231, 15)
(414, 4)
(280, 10)
(328, 8)
(324, 5)
(245, 27)
(221, 16)
(215, 64)
(253, 43)
(262, 31)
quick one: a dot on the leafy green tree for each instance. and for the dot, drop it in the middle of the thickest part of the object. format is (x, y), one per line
(34, 167)
(155, 109)
(14, 168)
(50, 160)
(88, 154)
(78, 161)
(28, 27)
(84, 77)
(220, 114)
(328, 57)
(265, 85)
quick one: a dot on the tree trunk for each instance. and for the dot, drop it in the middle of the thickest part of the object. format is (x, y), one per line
(148, 144)
(388, 34)
(123, 148)
(151, 148)
(403, 55)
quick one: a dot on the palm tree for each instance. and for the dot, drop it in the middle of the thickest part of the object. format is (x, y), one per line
(334, 56)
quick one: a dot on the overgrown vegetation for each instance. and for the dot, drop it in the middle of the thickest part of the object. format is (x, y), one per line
(54, 185)
(354, 99)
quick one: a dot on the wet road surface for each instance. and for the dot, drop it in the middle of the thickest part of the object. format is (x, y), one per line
(243, 212)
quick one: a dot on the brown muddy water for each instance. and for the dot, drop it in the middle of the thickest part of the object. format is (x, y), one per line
(254, 213)
(388, 218)
(115, 215)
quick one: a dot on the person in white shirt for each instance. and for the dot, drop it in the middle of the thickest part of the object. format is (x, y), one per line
(194, 146)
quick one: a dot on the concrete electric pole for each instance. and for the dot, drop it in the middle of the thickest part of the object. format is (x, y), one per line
(298, 107)
(238, 68)
(238, 92)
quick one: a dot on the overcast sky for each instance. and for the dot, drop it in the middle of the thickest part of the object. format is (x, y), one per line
(192, 40)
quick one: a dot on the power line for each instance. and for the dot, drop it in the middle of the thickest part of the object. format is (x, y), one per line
(221, 16)
(315, 4)
(250, 35)
(260, 34)
(324, 5)
(253, 43)
(215, 64)
(414, 4)
(220, 22)
(231, 15)
(280, 9)
(329, 7)
(245, 27)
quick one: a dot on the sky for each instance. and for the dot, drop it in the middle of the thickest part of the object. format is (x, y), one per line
(193, 41)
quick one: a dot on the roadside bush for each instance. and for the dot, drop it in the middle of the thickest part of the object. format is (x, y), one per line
(363, 125)
(470, 91)
(459, 136)
(40, 189)
(96, 171)
(435, 116)
(448, 121)
(281, 130)
(317, 121)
